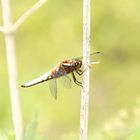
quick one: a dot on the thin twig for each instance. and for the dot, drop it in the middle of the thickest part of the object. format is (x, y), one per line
(1, 29)
(12, 71)
(86, 74)
(27, 14)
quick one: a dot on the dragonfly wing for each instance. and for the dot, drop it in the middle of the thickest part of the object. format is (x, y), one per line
(66, 81)
(92, 56)
(95, 58)
(53, 87)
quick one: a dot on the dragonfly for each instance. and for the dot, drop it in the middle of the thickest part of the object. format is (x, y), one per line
(62, 69)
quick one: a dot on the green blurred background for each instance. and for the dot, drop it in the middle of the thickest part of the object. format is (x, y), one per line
(54, 33)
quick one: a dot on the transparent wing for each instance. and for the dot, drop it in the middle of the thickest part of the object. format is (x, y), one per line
(66, 81)
(53, 87)
(93, 56)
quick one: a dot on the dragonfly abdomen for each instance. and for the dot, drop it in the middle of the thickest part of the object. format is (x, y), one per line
(41, 79)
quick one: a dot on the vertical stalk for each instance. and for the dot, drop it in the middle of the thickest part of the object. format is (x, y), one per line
(11, 60)
(86, 74)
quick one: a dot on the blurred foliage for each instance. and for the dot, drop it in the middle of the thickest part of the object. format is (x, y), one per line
(7, 135)
(54, 33)
(30, 133)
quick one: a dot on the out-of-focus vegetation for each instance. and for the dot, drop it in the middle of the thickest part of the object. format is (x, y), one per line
(54, 33)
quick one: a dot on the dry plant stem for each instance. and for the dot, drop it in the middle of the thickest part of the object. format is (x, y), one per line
(27, 14)
(11, 60)
(86, 74)
(8, 31)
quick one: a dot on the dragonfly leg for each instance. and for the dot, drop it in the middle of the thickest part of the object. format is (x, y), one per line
(80, 72)
(76, 81)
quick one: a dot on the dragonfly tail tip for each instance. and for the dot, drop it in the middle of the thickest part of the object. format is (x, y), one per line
(23, 86)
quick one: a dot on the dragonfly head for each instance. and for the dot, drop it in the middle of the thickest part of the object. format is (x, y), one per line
(77, 64)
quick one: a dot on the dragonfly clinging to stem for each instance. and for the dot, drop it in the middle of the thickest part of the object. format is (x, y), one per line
(62, 69)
